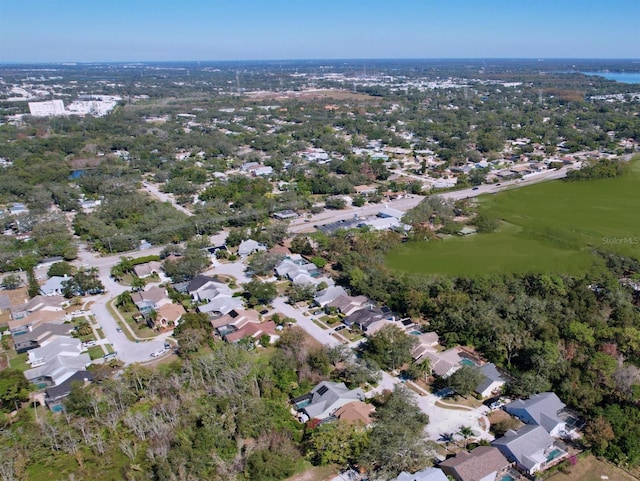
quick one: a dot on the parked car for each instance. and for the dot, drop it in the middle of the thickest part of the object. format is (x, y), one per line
(340, 328)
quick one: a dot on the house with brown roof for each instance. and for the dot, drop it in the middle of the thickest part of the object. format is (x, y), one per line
(355, 412)
(236, 318)
(167, 315)
(254, 331)
(35, 312)
(484, 463)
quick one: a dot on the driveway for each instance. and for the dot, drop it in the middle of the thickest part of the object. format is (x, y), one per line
(441, 420)
(321, 335)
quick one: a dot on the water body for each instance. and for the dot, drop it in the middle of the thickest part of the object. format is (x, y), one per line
(622, 77)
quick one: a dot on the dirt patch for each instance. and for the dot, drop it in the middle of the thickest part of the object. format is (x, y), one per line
(16, 297)
(321, 473)
(497, 416)
(590, 468)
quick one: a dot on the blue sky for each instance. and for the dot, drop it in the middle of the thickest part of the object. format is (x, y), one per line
(163, 30)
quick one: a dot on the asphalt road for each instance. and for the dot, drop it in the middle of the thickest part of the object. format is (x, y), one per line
(127, 351)
(305, 223)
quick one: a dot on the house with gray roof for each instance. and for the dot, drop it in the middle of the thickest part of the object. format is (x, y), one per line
(147, 269)
(531, 448)
(62, 346)
(54, 285)
(426, 474)
(347, 305)
(492, 380)
(40, 336)
(250, 246)
(151, 299)
(55, 395)
(369, 319)
(58, 370)
(325, 296)
(484, 463)
(326, 398)
(540, 409)
(221, 305)
(444, 363)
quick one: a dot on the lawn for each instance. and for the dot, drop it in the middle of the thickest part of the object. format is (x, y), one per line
(19, 362)
(591, 469)
(95, 352)
(551, 227)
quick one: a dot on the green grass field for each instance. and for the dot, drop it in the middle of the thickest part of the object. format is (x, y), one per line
(548, 227)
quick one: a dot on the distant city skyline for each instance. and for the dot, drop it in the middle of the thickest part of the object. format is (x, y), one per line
(162, 30)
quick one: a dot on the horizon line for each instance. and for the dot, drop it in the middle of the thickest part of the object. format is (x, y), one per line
(80, 62)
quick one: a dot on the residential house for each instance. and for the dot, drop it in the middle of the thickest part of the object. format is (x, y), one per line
(492, 380)
(540, 409)
(147, 269)
(295, 265)
(5, 303)
(151, 299)
(54, 285)
(221, 305)
(234, 320)
(61, 346)
(285, 215)
(57, 370)
(17, 208)
(35, 312)
(484, 463)
(426, 474)
(316, 155)
(40, 336)
(347, 305)
(325, 296)
(261, 171)
(248, 247)
(55, 395)
(36, 304)
(355, 412)
(325, 399)
(300, 272)
(445, 363)
(167, 315)
(204, 288)
(254, 331)
(369, 320)
(427, 342)
(531, 448)
(366, 189)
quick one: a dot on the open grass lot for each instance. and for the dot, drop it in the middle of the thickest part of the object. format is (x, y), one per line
(548, 227)
(591, 469)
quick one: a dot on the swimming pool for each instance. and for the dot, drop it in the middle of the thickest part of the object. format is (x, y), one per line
(554, 454)
(507, 477)
(467, 362)
(415, 333)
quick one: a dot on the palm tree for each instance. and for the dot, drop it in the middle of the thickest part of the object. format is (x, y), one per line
(466, 432)
(448, 438)
(138, 283)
